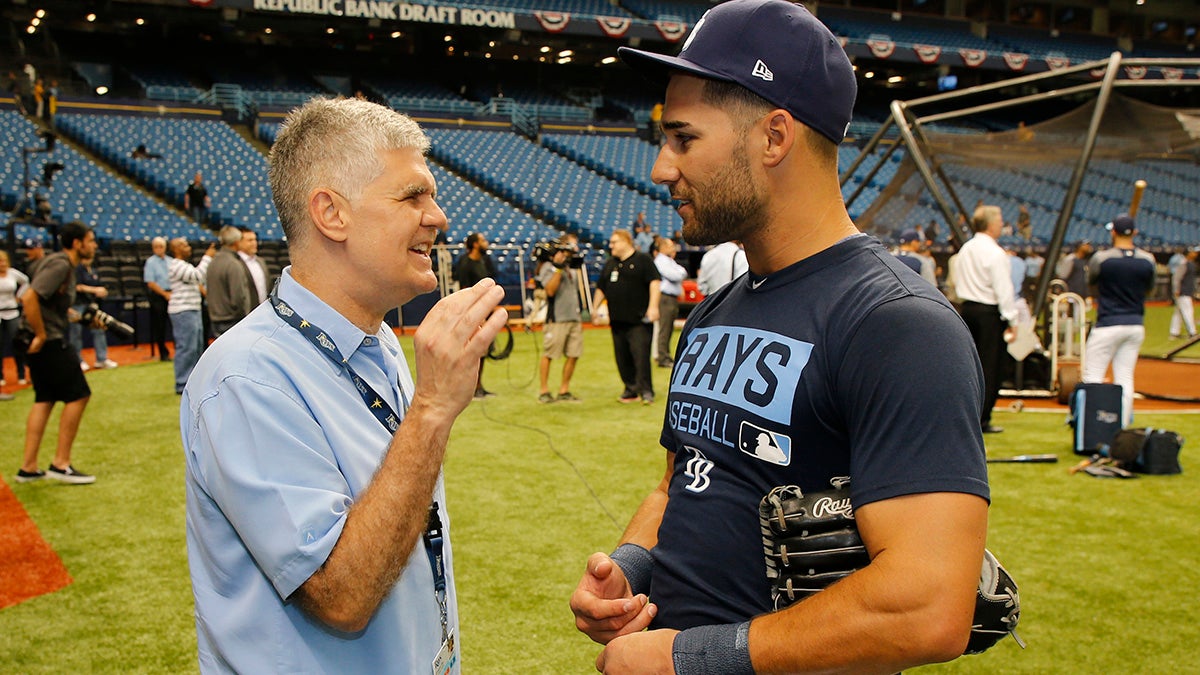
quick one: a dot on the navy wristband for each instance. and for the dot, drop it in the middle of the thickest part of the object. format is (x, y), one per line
(637, 564)
(721, 649)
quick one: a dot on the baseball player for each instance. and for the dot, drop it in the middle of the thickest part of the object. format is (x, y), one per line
(1183, 287)
(1122, 277)
(809, 369)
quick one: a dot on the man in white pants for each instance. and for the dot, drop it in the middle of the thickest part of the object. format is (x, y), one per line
(1183, 287)
(1123, 276)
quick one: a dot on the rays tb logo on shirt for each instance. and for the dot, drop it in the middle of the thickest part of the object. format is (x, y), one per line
(748, 374)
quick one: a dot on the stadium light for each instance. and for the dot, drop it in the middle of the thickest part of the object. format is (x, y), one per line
(140, 21)
(895, 79)
(35, 21)
(566, 53)
(91, 17)
(31, 29)
(396, 34)
(545, 49)
(608, 59)
(101, 90)
(869, 74)
(448, 38)
(41, 14)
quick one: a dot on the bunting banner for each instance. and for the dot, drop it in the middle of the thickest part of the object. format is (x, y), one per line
(927, 53)
(614, 27)
(552, 22)
(882, 49)
(1015, 61)
(973, 58)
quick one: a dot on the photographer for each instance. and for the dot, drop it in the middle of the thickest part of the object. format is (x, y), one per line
(558, 274)
(53, 364)
(89, 289)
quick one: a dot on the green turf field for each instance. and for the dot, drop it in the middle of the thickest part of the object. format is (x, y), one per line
(1106, 568)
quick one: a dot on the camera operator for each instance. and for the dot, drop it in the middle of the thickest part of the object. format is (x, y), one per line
(53, 364)
(563, 332)
(89, 289)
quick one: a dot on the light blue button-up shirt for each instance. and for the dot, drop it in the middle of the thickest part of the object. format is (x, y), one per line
(156, 270)
(278, 445)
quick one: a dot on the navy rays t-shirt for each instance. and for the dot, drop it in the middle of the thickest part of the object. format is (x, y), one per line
(844, 364)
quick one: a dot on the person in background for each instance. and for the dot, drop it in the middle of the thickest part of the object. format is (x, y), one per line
(1183, 289)
(475, 266)
(720, 265)
(1122, 276)
(157, 277)
(230, 295)
(13, 283)
(630, 282)
(89, 289)
(260, 276)
(197, 201)
(184, 307)
(987, 302)
(53, 363)
(562, 335)
(672, 275)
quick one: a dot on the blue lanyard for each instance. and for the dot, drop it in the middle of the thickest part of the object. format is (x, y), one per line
(383, 411)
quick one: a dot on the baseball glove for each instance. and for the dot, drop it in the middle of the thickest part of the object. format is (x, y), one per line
(811, 541)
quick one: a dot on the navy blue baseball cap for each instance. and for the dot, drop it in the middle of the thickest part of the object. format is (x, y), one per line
(1122, 224)
(776, 49)
(909, 236)
(33, 242)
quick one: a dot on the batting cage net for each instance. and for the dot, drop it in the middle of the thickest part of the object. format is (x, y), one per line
(1031, 167)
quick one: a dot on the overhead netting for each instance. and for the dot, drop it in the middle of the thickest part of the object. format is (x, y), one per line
(1032, 166)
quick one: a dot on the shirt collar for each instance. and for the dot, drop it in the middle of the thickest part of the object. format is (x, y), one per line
(246, 256)
(344, 334)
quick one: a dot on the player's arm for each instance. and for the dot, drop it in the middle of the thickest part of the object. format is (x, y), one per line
(655, 294)
(32, 305)
(382, 527)
(611, 599)
(912, 605)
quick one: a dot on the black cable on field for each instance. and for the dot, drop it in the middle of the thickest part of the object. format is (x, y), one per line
(564, 458)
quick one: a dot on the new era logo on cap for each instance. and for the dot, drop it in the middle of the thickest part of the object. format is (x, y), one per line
(810, 75)
(762, 72)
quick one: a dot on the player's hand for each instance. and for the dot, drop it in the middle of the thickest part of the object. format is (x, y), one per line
(451, 340)
(651, 314)
(212, 250)
(603, 604)
(100, 292)
(36, 344)
(644, 653)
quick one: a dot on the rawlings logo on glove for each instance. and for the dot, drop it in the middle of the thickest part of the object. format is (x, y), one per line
(811, 541)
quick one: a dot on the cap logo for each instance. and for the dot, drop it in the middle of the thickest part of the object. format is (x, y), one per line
(688, 41)
(762, 72)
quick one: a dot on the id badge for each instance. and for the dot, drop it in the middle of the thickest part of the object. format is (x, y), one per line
(612, 278)
(447, 657)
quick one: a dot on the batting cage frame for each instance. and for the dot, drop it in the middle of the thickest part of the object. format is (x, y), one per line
(907, 118)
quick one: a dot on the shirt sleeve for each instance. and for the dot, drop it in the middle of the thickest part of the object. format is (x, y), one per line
(274, 477)
(1000, 270)
(50, 277)
(913, 421)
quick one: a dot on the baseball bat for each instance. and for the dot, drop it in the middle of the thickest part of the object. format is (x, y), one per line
(1139, 187)
(1025, 459)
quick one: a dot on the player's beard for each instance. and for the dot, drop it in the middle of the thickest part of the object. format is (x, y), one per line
(726, 207)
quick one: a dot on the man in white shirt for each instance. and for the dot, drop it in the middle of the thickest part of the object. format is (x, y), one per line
(672, 274)
(983, 282)
(720, 265)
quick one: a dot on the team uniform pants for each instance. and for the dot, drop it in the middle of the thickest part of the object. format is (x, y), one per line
(668, 311)
(1183, 316)
(1118, 345)
(987, 330)
(631, 347)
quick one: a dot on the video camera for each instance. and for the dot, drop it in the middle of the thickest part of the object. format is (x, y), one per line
(93, 312)
(544, 251)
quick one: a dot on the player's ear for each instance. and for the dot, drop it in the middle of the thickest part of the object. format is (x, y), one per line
(327, 210)
(779, 130)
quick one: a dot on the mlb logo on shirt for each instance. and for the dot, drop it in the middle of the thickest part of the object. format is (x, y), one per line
(765, 445)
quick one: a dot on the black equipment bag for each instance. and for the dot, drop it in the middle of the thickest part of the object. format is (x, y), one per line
(1095, 411)
(1152, 451)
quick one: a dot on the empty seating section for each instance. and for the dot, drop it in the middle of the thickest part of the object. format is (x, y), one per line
(233, 171)
(410, 95)
(83, 190)
(1077, 49)
(907, 33)
(549, 186)
(164, 84)
(625, 159)
(279, 91)
(545, 105)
